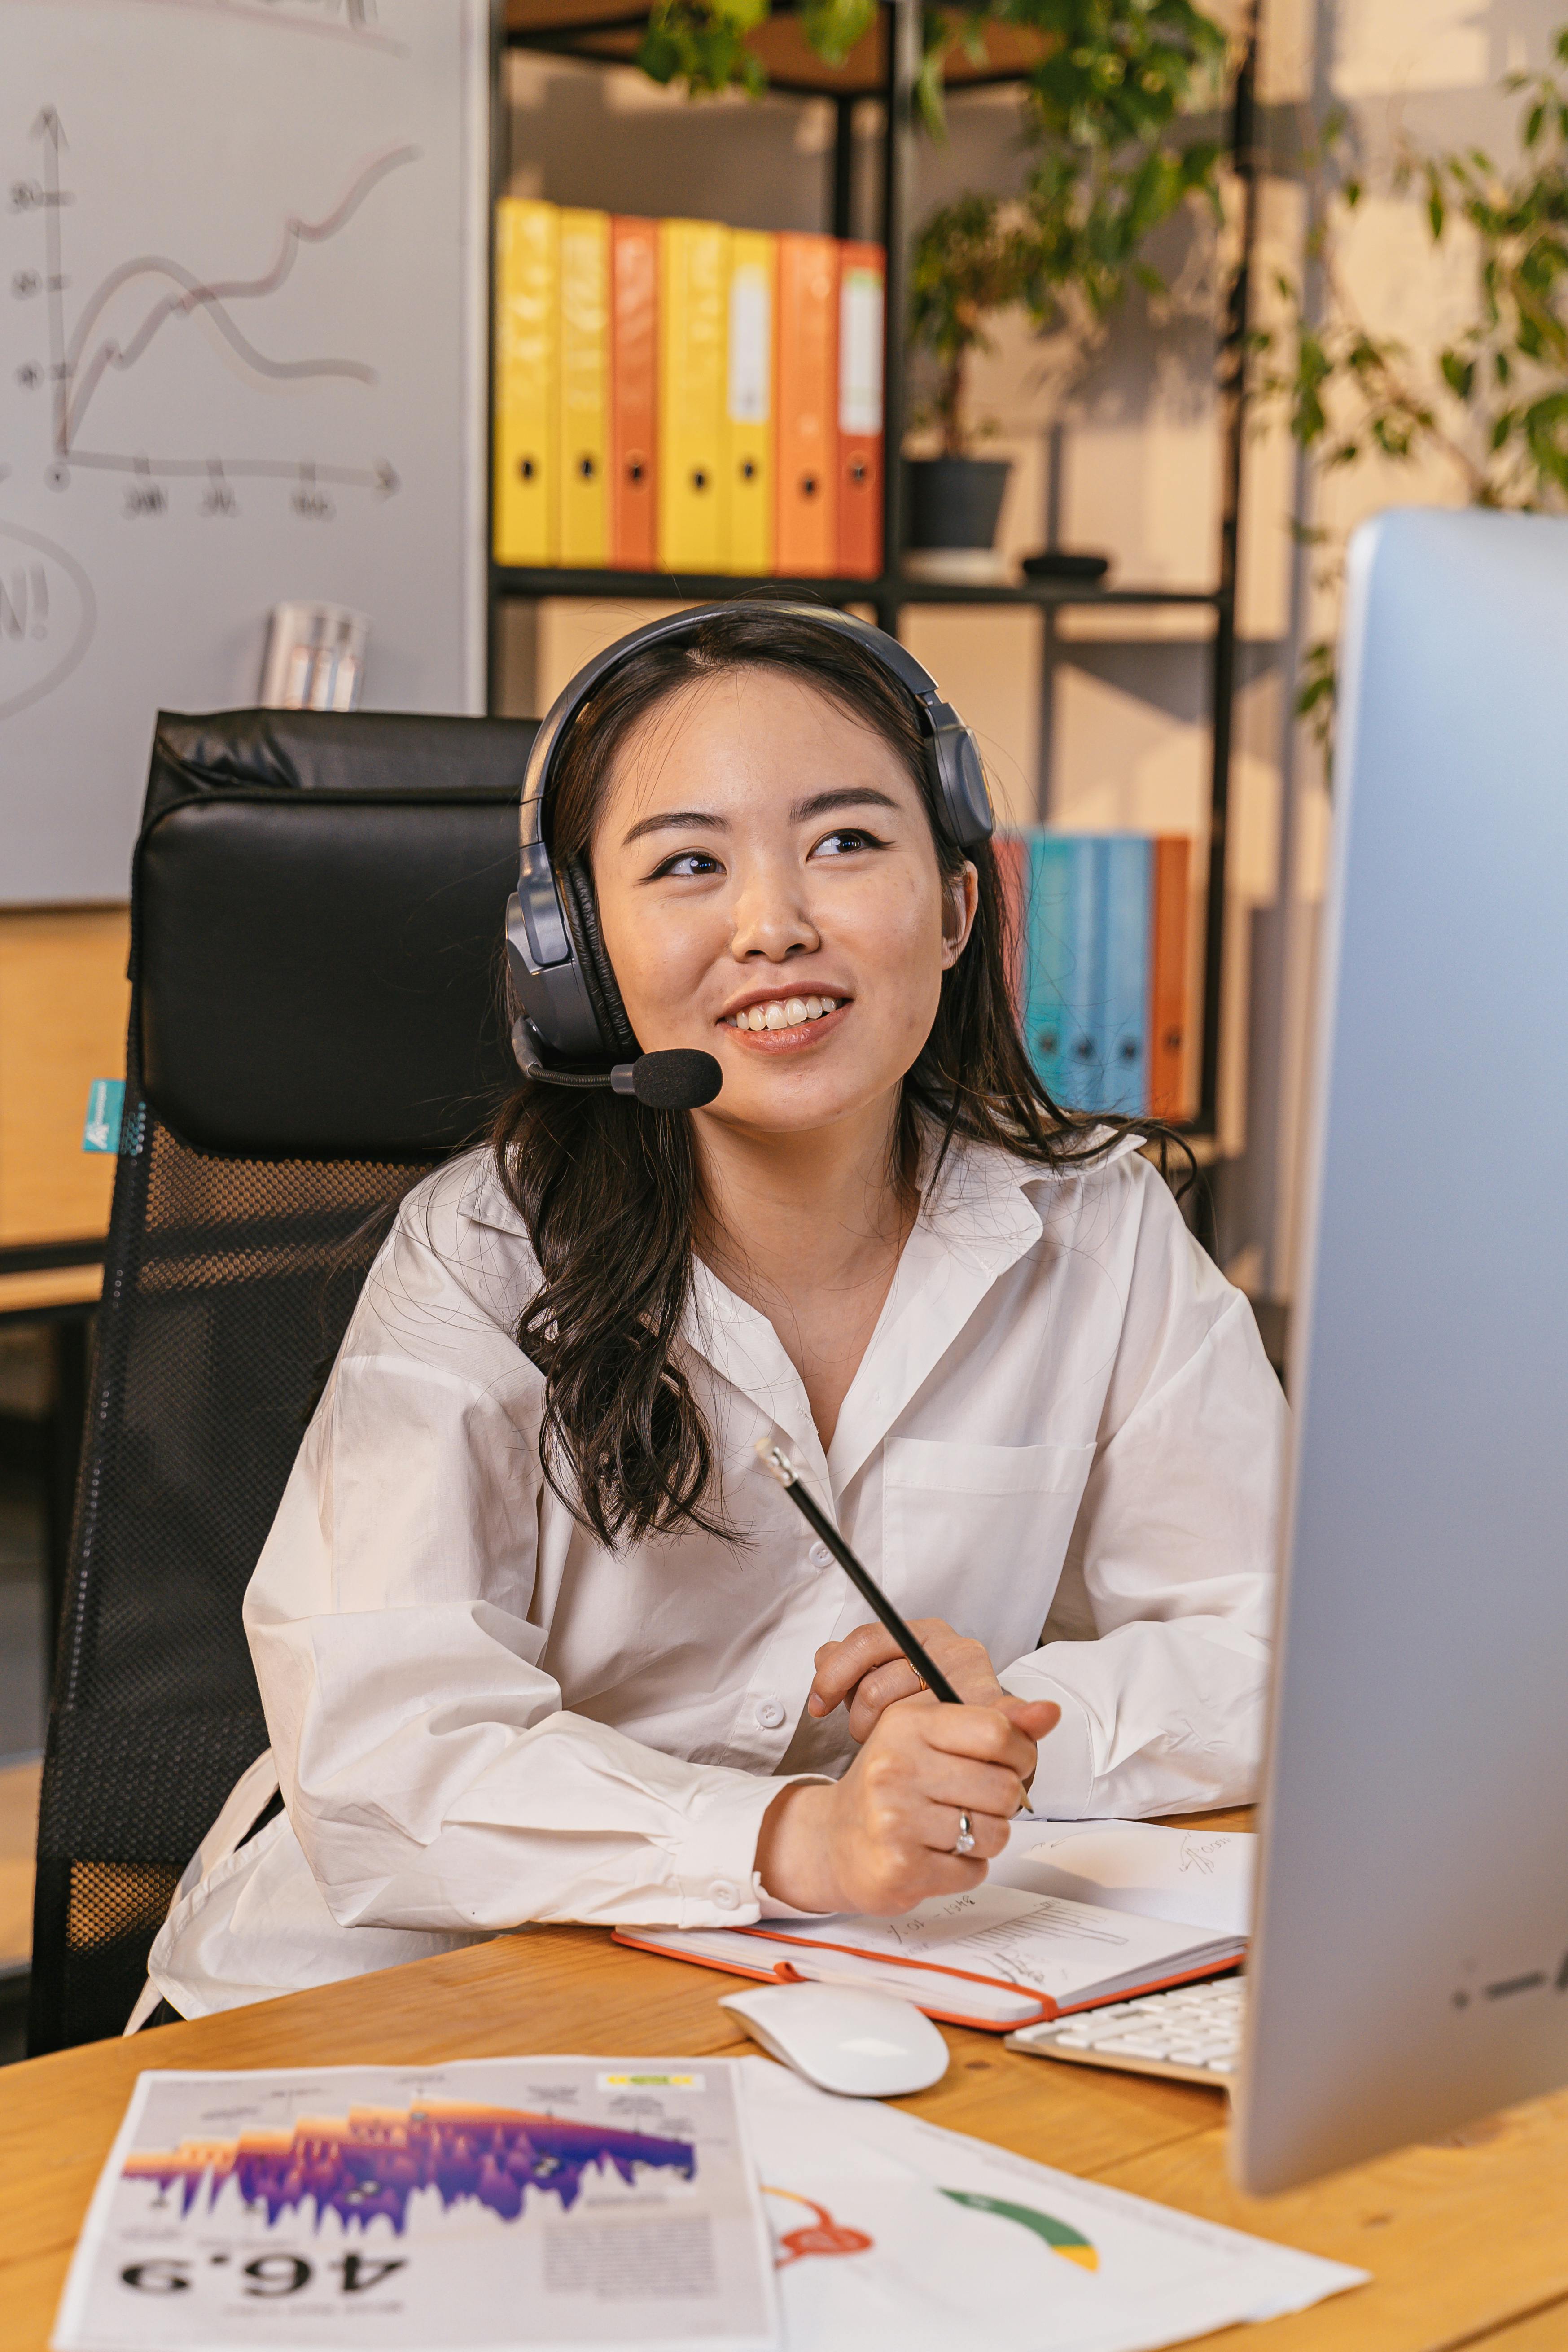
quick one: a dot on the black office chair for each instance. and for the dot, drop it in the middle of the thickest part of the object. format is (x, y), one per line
(316, 1020)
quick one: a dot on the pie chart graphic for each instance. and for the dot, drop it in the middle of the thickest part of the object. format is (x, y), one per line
(1061, 2237)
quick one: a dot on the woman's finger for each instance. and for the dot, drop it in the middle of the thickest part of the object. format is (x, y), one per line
(840, 1665)
(982, 1733)
(945, 1821)
(878, 1690)
(845, 1671)
(979, 1788)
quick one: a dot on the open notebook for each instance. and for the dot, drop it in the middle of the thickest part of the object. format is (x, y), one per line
(998, 1956)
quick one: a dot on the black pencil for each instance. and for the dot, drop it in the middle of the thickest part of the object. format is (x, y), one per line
(775, 1460)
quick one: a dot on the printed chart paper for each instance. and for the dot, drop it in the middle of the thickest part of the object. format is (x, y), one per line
(892, 2235)
(537, 2202)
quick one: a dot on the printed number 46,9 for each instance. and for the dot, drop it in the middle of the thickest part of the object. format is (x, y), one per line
(268, 2273)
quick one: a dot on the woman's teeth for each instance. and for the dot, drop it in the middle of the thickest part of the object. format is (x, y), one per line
(788, 1015)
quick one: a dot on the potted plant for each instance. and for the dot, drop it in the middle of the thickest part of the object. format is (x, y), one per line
(974, 259)
(1064, 252)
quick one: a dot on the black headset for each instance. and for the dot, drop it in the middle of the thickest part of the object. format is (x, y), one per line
(570, 1004)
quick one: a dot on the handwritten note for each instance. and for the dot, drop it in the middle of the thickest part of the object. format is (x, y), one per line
(1195, 1878)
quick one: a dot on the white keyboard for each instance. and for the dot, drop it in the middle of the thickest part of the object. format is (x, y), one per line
(1192, 2034)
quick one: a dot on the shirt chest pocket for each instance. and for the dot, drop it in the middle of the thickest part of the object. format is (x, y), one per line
(976, 1534)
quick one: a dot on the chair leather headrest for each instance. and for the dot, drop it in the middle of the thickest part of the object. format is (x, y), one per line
(317, 913)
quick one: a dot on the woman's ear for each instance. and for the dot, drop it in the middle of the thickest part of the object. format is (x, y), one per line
(960, 897)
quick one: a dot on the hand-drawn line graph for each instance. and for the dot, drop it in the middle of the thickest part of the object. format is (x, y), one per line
(330, 20)
(80, 358)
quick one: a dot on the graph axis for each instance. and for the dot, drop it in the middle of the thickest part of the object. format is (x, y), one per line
(67, 350)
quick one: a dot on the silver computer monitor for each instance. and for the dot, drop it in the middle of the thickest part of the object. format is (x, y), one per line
(1410, 1968)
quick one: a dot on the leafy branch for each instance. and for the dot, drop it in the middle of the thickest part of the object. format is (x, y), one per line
(1101, 107)
(1065, 252)
(1491, 404)
(1111, 72)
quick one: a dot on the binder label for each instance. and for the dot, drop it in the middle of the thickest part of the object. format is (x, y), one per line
(860, 351)
(750, 346)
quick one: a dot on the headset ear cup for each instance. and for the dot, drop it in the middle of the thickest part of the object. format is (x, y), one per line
(582, 911)
(964, 795)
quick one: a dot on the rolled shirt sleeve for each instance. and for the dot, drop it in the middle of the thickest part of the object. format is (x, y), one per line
(432, 1778)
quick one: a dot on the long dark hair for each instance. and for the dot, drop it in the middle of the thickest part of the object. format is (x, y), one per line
(610, 1192)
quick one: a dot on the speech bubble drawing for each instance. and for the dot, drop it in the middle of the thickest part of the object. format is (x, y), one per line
(47, 614)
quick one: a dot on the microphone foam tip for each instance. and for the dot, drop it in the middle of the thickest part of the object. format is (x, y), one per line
(682, 1079)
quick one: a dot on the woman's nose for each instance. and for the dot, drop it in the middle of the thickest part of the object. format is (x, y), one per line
(772, 919)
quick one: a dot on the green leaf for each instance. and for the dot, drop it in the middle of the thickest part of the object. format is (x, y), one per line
(929, 101)
(833, 27)
(1458, 374)
(659, 55)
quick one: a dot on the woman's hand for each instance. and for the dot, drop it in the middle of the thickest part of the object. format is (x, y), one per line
(868, 1671)
(881, 1839)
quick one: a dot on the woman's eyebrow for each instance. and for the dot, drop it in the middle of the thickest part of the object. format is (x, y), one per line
(675, 820)
(848, 796)
(802, 812)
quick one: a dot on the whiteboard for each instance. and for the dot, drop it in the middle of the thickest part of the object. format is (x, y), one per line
(243, 360)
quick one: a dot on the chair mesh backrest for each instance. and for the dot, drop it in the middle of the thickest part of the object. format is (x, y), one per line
(317, 905)
(227, 1285)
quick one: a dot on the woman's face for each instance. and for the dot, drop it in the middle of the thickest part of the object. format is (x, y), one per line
(769, 892)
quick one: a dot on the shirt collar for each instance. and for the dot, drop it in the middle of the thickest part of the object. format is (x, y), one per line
(980, 1213)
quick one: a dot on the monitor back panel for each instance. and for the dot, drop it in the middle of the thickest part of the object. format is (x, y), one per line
(1411, 1964)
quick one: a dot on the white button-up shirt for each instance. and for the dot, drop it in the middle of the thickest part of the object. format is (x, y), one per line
(1064, 1438)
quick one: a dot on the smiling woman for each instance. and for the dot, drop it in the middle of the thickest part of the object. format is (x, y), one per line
(753, 807)
(534, 1640)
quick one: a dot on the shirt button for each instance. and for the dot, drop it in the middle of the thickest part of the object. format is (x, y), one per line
(819, 1556)
(770, 1714)
(725, 1894)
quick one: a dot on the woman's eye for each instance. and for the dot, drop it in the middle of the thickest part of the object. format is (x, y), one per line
(690, 864)
(846, 840)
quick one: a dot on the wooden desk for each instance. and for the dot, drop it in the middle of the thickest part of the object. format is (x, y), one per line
(1468, 2242)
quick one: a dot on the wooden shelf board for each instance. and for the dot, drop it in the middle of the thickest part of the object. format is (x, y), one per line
(532, 583)
(25, 1296)
(602, 31)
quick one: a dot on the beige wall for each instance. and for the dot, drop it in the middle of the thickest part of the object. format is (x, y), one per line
(1426, 70)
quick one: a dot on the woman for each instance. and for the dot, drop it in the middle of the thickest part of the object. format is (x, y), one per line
(536, 1638)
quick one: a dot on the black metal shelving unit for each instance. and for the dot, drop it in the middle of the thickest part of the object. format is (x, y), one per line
(605, 32)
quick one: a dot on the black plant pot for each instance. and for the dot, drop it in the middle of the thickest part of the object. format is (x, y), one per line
(954, 501)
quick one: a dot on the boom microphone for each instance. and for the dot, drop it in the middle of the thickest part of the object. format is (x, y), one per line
(680, 1079)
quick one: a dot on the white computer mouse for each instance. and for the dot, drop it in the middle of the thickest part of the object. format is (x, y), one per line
(847, 2037)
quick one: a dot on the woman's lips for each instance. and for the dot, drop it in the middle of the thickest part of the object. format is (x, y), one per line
(790, 1039)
